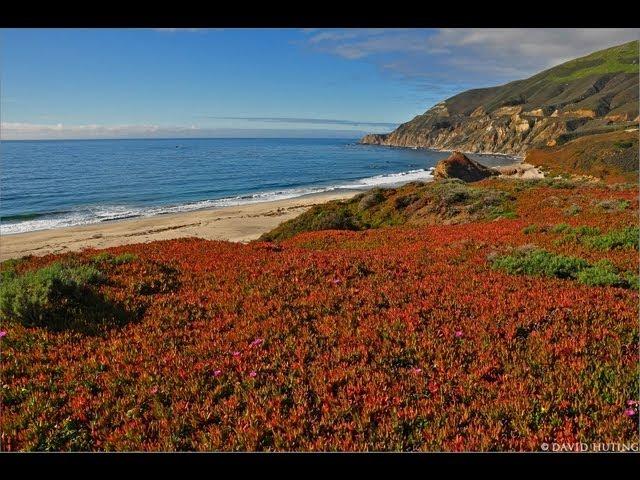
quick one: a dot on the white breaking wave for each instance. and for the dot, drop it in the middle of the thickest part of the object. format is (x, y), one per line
(392, 179)
(91, 215)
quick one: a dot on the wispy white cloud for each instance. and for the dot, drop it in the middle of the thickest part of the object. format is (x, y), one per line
(366, 42)
(32, 131)
(307, 121)
(489, 54)
(18, 130)
(527, 50)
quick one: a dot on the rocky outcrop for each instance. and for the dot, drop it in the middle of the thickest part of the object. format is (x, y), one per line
(487, 133)
(375, 139)
(458, 165)
(571, 99)
(611, 156)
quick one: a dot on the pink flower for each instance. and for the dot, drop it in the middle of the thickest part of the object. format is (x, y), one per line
(3, 333)
(336, 281)
(629, 412)
(631, 403)
(253, 374)
(236, 354)
(458, 334)
(416, 370)
(154, 390)
(257, 342)
(217, 373)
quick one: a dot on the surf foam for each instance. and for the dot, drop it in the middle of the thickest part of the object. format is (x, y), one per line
(97, 214)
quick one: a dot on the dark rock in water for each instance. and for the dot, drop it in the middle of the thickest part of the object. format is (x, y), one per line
(458, 165)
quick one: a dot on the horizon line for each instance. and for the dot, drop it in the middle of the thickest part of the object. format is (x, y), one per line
(167, 138)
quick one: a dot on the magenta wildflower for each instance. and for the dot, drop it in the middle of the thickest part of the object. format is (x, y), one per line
(631, 403)
(253, 374)
(3, 333)
(629, 412)
(336, 281)
(416, 370)
(217, 373)
(257, 342)
(154, 390)
(458, 334)
(236, 354)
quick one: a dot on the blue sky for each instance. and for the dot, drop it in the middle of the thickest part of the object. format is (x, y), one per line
(109, 83)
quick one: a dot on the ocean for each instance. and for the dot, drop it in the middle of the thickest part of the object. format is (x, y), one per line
(59, 183)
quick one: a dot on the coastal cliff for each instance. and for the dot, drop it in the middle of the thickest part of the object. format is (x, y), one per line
(592, 94)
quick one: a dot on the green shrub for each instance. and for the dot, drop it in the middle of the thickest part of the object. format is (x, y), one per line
(585, 231)
(571, 211)
(501, 211)
(338, 219)
(533, 261)
(626, 238)
(577, 235)
(540, 262)
(560, 228)
(456, 195)
(613, 205)
(370, 199)
(559, 183)
(602, 273)
(529, 229)
(124, 258)
(592, 237)
(414, 203)
(121, 259)
(632, 279)
(57, 296)
(329, 216)
(8, 269)
(102, 257)
(401, 203)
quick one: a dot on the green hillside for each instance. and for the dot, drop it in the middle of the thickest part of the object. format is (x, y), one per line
(593, 94)
(619, 59)
(605, 80)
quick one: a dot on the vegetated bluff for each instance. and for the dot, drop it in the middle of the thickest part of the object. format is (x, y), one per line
(592, 94)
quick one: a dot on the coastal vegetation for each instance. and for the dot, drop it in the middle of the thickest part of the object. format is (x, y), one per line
(612, 157)
(448, 201)
(443, 316)
(59, 296)
(540, 262)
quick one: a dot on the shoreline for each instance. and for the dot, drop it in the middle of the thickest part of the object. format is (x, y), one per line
(241, 223)
(517, 158)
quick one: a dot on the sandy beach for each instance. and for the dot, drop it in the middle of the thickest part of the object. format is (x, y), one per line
(241, 223)
(237, 224)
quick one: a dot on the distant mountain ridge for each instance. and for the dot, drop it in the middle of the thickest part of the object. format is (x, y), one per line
(591, 94)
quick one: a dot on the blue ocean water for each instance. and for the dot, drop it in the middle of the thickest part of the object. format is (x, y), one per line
(58, 183)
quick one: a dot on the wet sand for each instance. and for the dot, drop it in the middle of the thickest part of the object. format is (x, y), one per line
(241, 223)
(237, 224)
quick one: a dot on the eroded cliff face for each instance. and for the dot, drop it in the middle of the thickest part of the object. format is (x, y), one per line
(508, 131)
